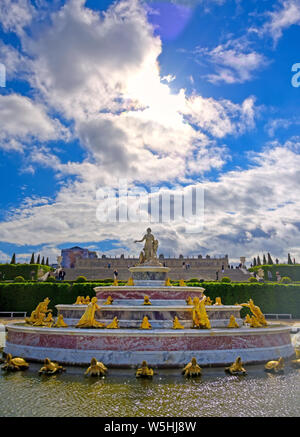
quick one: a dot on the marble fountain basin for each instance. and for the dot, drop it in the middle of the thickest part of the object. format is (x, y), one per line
(160, 314)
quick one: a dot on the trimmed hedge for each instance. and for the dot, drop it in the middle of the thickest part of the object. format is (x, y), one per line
(13, 270)
(270, 297)
(290, 270)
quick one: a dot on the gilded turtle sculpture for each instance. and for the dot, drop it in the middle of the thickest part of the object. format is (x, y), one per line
(50, 367)
(192, 369)
(236, 368)
(275, 366)
(96, 368)
(14, 364)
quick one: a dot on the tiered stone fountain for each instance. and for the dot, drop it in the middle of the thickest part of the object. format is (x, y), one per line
(161, 345)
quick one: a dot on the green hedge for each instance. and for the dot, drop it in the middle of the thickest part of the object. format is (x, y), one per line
(12, 270)
(290, 270)
(270, 297)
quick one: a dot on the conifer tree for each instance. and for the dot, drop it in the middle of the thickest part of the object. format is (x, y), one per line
(13, 259)
(32, 259)
(289, 259)
(264, 260)
(47, 261)
(254, 262)
(43, 261)
(270, 261)
(258, 261)
(38, 261)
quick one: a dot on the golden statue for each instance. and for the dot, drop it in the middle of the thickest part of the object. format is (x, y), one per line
(236, 368)
(50, 367)
(38, 316)
(130, 281)
(88, 318)
(145, 324)
(60, 323)
(200, 318)
(297, 352)
(247, 319)
(48, 322)
(232, 323)
(254, 323)
(177, 324)
(275, 366)
(208, 301)
(79, 300)
(109, 301)
(168, 282)
(115, 283)
(182, 283)
(149, 253)
(147, 300)
(296, 363)
(114, 324)
(144, 371)
(14, 364)
(189, 301)
(86, 300)
(256, 311)
(96, 368)
(192, 369)
(218, 301)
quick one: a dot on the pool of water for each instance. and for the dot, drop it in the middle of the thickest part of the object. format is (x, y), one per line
(168, 394)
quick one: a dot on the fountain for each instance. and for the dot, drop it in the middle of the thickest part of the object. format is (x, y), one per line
(149, 320)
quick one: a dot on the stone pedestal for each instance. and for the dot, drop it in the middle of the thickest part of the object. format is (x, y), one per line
(149, 275)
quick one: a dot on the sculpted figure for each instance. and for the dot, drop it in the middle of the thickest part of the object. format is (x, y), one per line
(115, 283)
(192, 369)
(256, 311)
(14, 364)
(96, 368)
(130, 281)
(109, 301)
(208, 301)
(232, 322)
(189, 300)
(79, 300)
(296, 363)
(218, 301)
(247, 319)
(60, 323)
(150, 247)
(177, 324)
(200, 318)
(38, 316)
(147, 300)
(114, 324)
(144, 371)
(254, 323)
(236, 368)
(275, 366)
(88, 318)
(87, 300)
(48, 321)
(50, 368)
(168, 283)
(182, 283)
(145, 324)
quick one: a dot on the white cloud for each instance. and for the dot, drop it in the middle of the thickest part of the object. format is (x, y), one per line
(16, 14)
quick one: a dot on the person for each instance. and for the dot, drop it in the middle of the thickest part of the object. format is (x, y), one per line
(62, 274)
(217, 275)
(116, 274)
(222, 268)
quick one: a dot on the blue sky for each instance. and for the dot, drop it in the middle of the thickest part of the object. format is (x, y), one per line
(183, 93)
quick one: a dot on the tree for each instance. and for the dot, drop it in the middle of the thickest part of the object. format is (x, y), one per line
(264, 260)
(32, 259)
(258, 261)
(289, 259)
(43, 261)
(38, 261)
(47, 261)
(254, 262)
(270, 261)
(13, 259)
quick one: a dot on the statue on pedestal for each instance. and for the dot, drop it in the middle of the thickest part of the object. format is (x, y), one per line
(149, 252)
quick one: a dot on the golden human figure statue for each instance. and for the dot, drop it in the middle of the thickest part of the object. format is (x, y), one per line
(177, 324)
(145, 324)
(109, 301)
(79, 300)
(200, 318)
(96, 368)
(147, 300)
(218, 301)
(60, 323)
(150, 248)
(130, 281)
(192, 369)
(275, 366)
(208, 301)
(189, 300)
(144, 371)
(48, 322)
(182, 283)
(14, 364)
(232, 322)
(168, 282)
(115, 283)
(38, 316)
(88, 318)
(50, 367)
(114, 324)
(86, 300)
(236, 368)
(247, 319)
(256, 311)
(254, 323)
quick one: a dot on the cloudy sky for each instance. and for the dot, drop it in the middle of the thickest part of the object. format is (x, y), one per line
(159, 95)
